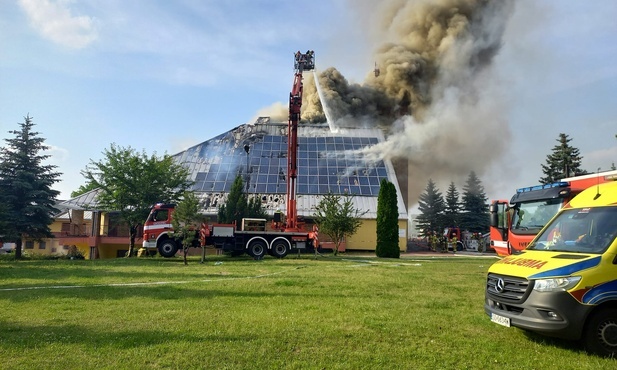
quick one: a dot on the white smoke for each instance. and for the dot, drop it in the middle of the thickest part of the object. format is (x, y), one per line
(436, 96)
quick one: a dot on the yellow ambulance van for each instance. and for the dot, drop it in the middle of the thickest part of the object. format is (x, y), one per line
(564, 284)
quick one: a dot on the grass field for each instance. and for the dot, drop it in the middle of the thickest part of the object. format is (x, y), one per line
(235, 313)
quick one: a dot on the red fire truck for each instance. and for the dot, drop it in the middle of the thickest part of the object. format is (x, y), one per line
(251, 236)
(461, 240)
(514, 223)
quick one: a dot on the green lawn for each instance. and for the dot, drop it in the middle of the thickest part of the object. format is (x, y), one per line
(235, 313)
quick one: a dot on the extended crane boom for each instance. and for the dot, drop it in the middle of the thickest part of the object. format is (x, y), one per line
(302, 62)
(252, 237)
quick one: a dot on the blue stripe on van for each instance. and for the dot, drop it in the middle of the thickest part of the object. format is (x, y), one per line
(569, 269)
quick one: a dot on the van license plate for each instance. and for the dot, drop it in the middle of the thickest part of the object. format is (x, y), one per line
(501, 320)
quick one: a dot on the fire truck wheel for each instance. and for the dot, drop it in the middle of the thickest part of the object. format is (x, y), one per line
(168, 248)
(600, 334)
(280, 248)
(257, 249)
(459, 246)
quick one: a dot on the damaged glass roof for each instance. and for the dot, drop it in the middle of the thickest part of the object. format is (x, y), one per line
(327, 161)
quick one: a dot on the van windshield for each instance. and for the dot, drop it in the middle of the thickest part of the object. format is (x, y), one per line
(587, 230)
(534, 215)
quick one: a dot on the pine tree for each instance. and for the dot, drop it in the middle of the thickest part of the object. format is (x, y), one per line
(564, 161)
(234, 208)
(452, 207)
(239, 206)
(475, 215)
(431, 206)
(254, 209)
(387, 221)
(25, 187)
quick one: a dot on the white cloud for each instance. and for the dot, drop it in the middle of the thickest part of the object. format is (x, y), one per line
(55, 21)
(57, 154)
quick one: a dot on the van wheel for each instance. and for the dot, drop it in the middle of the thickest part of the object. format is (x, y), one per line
(257, 249)
(280, 248)
(168, 248)
(600, 334)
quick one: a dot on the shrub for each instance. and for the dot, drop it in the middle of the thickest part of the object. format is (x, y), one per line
(74, 253)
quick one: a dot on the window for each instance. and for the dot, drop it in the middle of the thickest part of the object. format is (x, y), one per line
(42, 245)
(160, 215)
(586, 230)
(29, 244)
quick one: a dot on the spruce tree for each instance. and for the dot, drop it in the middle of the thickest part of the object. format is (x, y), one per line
(254, 208)
(475, 215)
(452, 207)
(431, 206)
(25, 187)
(234, 209)
(387, 221)
(239, 206)
(564, 161)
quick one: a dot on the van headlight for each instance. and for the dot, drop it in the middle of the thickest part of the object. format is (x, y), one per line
(556, 284)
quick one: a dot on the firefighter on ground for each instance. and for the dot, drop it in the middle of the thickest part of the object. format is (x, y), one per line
(453, 242)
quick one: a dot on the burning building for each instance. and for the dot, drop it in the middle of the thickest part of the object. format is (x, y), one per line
(328, 162)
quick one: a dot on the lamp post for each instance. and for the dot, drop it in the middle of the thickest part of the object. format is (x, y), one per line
(247, 149)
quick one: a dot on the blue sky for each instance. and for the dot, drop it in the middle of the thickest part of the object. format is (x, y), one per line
(165, 75)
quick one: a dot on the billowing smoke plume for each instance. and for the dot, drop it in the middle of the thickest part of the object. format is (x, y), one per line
(435, 94)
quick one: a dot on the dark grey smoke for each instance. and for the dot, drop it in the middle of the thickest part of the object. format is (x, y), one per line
(436, 95)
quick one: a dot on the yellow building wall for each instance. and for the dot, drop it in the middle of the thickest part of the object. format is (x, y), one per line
(49, 246)
(111, 250)
(45, 246)
(366, 237)
(56, 226)
(83, 248)
(52, 246)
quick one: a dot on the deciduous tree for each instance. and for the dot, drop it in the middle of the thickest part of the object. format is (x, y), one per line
(337, 218)
(131, 182)
(186, 221)
(25, 187)
(83, 189)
